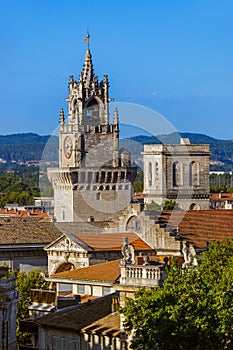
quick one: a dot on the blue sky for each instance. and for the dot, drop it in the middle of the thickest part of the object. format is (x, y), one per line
(175, 57)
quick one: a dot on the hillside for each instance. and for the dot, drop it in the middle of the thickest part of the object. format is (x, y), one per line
(221, 150)
(29, 148)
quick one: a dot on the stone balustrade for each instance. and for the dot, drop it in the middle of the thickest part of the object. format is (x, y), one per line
(140, 275)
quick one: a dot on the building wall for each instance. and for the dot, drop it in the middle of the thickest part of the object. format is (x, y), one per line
(63, 198)
(53, 339)
(177, 172)
(100, 203)
(8, 301)
(82, 197)
(25, 260)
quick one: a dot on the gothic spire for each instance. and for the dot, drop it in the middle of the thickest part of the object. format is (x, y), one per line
(88, 69)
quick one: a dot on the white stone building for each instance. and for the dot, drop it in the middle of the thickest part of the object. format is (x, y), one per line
(177, 172)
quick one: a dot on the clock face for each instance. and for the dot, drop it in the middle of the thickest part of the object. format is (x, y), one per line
(68, 147)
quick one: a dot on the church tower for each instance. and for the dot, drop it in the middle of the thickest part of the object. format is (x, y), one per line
(94, 178)
(178, 172)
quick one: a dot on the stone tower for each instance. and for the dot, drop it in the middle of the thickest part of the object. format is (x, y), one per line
(94, 178)
(177, 172)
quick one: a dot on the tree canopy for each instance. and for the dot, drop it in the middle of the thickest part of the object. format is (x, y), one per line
(192, 311)
(24, 284)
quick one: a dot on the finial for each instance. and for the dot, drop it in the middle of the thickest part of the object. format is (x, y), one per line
(115, 116)
(86, 40)
(62, 117)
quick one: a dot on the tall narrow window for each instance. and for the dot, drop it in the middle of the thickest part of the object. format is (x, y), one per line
(156, 175)
(54, 342)
(177, 174)
(150, 174)
(89, 177)
(64, 343)
(76, 344)
(194, 174)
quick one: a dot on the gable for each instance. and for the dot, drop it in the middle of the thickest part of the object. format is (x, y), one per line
(66, 243)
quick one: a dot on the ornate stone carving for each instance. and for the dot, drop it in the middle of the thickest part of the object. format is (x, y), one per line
(189, 255)
(128, 252)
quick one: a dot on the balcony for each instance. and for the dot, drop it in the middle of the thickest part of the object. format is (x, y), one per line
(143, 276)
(42, 296)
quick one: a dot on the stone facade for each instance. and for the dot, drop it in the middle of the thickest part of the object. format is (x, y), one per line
(94, 178)
(8, 300)
(65, 253)
(71, 252)
(177, 172)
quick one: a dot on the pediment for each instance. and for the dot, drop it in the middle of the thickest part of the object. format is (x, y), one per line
(66, 243)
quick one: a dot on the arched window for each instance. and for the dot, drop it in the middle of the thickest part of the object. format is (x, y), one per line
(150, 174)
(177, 174)
(194, 174)
(156, 175)
(74, 106)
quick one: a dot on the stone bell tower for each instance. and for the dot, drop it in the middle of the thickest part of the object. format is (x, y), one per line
(94, 178)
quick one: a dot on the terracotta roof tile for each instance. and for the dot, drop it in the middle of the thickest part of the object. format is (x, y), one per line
(107, 271)
(108, 325)
(221, 197)
(78, 316)
(199, 227)
(112, 241)
(25, 230)
(20, 213)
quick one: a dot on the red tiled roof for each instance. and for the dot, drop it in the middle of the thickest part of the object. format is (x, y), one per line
(112, 241)
(23, 213)
(221, 196)
(138, 195)
(199, 227)
(78, 316)
(25, 230)
(108, 325)
(107, 271)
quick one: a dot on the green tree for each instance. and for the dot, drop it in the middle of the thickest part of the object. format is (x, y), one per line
(138, 186)
(169, 205)
(19, 184)
(24, 284)
(192, 311)
(152, 206)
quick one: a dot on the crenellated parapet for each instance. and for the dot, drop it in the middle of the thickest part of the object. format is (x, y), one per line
(94, 177)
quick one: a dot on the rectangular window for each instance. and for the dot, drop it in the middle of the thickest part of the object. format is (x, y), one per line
(106, 290)
(97, 195)
(75, 344)
(81, 289)
(65, 287)
(54, 342)
(64, 343)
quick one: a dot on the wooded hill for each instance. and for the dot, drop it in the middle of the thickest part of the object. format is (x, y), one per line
(30, 147)
(221, 150)
(22, 148)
